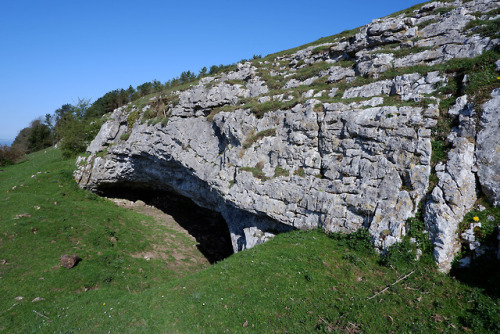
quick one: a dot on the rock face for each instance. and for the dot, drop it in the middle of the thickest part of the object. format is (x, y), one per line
(454, 195)
(488, 148)
(356, 154)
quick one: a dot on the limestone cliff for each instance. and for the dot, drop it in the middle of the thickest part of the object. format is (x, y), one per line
(338, 135)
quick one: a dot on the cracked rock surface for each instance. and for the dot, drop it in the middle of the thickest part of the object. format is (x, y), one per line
(346, 147)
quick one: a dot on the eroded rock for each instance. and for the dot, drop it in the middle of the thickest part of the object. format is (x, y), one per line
(488, 148)
(314, 164)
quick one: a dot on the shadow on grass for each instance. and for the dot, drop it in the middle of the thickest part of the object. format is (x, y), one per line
(484, 273)
(206, 226)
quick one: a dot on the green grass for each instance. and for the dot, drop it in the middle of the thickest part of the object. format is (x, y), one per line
(487, 28)
(440, 149)
(125, 136)
(260, 109)
(320, 49)
(256, 171)
(278, 171)
(322, 40)
(310, 71)
(259, 135)
(403, 52)
(442, 10)
(299, 282)
(300, 172)
(45, 215)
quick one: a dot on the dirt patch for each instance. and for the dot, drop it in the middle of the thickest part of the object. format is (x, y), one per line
(178, 247)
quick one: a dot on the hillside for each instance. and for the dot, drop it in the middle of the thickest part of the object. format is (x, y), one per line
(348, 176)
(298, 282)
(375, 128)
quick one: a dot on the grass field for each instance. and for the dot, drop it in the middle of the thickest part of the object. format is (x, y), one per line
(300, 282)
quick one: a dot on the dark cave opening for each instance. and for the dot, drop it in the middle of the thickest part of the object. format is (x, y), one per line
(208, 227)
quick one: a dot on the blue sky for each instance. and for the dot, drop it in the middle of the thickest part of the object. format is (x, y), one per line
(54, 52)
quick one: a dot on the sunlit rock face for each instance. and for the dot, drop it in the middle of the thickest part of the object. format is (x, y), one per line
(350, 153)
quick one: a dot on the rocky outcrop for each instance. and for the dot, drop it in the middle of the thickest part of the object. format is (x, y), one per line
(352, 150)
(488, 148)
(455, 193)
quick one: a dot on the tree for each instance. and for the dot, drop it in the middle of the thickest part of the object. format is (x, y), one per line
(203, 72)
(40, 136)
(131, 94)
(81, 107)
(33, 138)
(145, 89)
(213, 69)
(63, 116)
(157, 86)
(22, 139)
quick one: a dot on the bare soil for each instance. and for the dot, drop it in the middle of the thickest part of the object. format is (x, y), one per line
(182, 237)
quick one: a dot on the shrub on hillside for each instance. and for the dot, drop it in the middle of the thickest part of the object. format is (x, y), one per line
(10, 154)
(33, 138)
(77, 135)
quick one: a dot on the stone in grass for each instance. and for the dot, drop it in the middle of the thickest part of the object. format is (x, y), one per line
(69, 261)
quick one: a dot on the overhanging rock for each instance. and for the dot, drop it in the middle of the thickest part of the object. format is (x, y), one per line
(333, 150)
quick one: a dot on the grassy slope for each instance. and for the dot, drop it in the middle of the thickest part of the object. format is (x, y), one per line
(63, 219)
(298, 282)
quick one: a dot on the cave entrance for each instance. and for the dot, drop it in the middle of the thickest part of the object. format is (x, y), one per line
(208, 227)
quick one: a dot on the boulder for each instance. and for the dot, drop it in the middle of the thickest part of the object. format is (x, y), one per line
(69, 261)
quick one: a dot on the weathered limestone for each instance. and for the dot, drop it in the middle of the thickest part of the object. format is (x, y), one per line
(408, 86)
(455, 193)
(372, 64)
(488, 148)
(335, 166)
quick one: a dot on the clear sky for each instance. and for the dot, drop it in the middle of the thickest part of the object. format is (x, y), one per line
(54, 52)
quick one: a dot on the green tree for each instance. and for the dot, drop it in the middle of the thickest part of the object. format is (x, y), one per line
(131, 94)
(62, 116)
(37, 136)
(156, 86)
(203, 72)
(81, 107)
(145, 89)
(213, 69)
(40, 136)
(22, 139)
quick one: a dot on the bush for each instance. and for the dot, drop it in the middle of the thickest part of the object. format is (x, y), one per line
(77, 135)
(10, 154)
(401, 255)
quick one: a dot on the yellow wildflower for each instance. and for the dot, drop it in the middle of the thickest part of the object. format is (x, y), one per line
(476, 218)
